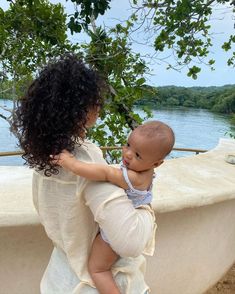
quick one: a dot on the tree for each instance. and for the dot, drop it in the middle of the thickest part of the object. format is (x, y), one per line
(181, 26)
(110, 52)
(30, 33)
(225, 102)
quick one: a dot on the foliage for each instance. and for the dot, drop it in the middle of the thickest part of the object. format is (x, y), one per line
(123, 71)
(5, 88)
(219, 99)
(232, 130)
(11, 89)
(84, 12)
(31, 31)
(233, 119)
(109, 52)
(182, 26)
(225, 102)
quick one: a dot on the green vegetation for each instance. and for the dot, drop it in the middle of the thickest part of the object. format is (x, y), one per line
(182, 26)
(218, 99)
(31, 32)
(5, 89)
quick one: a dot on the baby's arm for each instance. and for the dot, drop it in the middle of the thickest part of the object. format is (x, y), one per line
(91, 171)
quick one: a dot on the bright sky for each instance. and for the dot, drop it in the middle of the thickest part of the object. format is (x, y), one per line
(222, 22)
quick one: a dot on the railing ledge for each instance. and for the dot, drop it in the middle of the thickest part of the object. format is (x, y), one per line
(107, 148)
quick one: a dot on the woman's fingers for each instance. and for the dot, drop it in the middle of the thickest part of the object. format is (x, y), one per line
(55, 159)
(60, 158)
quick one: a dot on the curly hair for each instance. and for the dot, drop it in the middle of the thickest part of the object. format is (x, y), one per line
(53, 113)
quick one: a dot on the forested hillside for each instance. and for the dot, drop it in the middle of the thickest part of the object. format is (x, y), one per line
(219, 99)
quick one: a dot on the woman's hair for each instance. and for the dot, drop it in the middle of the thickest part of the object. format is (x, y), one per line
(53, 113)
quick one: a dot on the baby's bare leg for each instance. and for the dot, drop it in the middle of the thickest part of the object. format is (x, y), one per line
(99, 265)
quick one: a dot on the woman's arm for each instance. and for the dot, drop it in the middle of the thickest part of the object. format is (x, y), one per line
(127, 229)
(91, 171)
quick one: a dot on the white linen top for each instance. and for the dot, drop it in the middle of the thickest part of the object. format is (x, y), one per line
(72, 209)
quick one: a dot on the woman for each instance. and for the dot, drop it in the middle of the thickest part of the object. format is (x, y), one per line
(61, 103)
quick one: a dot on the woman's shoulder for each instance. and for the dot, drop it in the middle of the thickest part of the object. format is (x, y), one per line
(92, 146)
(88, 151)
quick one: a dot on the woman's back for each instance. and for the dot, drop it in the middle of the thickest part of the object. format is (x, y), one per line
(64, 211)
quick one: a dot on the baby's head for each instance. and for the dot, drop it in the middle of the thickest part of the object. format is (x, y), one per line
(148, 145)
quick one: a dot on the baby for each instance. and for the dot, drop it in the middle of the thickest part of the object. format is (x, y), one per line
(146, 148)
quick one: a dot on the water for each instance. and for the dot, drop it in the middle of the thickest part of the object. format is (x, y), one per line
(194, 128)
(8, 142)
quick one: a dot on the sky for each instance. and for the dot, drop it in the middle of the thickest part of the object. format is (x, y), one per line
(223, 25)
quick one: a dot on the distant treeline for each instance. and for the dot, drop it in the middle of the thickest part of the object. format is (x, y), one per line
(219, 99)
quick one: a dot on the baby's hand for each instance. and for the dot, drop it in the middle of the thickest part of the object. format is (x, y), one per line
(63, 158)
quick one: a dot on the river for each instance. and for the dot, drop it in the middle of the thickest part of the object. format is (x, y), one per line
(194, 128)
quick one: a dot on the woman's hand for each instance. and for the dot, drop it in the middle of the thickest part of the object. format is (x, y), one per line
(64, 159)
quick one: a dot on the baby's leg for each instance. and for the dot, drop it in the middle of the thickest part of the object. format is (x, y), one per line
(99, 265)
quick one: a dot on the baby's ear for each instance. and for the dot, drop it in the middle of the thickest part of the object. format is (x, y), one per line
(158, 163)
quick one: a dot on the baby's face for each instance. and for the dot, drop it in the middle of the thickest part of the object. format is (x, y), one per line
(140, 153)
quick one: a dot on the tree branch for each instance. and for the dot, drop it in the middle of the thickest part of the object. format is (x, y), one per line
(3, 116)
(122, 108)
(6, 109)
(3, 91)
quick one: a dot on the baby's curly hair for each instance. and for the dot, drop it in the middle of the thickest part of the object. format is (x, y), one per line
(52, 115)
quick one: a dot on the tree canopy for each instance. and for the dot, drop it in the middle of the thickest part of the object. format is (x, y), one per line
(32, 31)
(182, 26)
